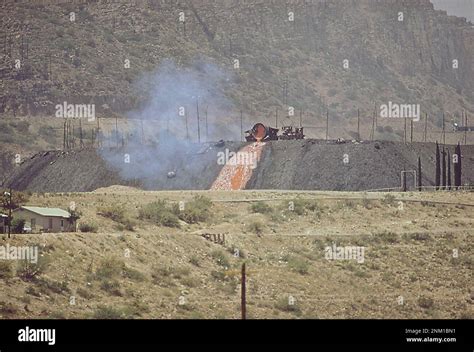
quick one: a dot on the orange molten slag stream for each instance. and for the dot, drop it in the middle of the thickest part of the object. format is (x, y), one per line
(237, 171)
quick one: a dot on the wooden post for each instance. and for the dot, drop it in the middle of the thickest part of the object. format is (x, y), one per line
(327, 123)
(243, 294)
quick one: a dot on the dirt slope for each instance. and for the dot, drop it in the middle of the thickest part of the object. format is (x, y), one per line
(307, 164)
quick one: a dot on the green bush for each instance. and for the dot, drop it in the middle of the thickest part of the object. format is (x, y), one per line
(29, 271)
(88, 227)
(221, 258)
(6, 270)
(197, 210)
(118, 214)
(261, 207)
(109, 268)
(298, 265)
(18, 225)
(159, 213)
(256, 227)
(111, 287)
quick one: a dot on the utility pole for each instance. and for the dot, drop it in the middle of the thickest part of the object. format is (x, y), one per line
(465, 130)
(197, 115)
(358, 125)
(243, 294)
(9, 212)
(207, 130)
(186, 119)
(241, 126)
(426, 121)
(116, 131)
(444, 134)
(405, 130)
(327, 123)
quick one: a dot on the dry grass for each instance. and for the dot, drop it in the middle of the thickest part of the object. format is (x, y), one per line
(108, 272)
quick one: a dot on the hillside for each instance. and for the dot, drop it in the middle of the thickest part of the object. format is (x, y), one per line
(408, 271)
(281, 63)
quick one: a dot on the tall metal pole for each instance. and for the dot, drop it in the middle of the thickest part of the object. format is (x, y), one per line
(197, 115)
(243, 297)
(358, 125)
(327, 123)
(241, 127)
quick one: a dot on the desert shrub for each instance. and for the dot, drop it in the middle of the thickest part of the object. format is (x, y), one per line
(196, 210)
(134, 274)
(425, 302)
(298, 265)
(301, 206)
(118, 214)
(88, 227)
(419, 236)
(256, 227)
(104, 312)
(46, 286)
(8, 308)
(29, 271)
(159, 213)
(111, 287)
(284, 305)
(17, 225)
(221, 258)
(388, 199)
(109, 268)
(194, 260)
(84, 293)
(387, 237)
(261, 207)
(6, 270)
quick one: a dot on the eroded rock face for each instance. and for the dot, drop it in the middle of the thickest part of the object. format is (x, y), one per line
(408, 60)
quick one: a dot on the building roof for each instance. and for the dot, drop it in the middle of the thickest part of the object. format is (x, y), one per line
(47, 211)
